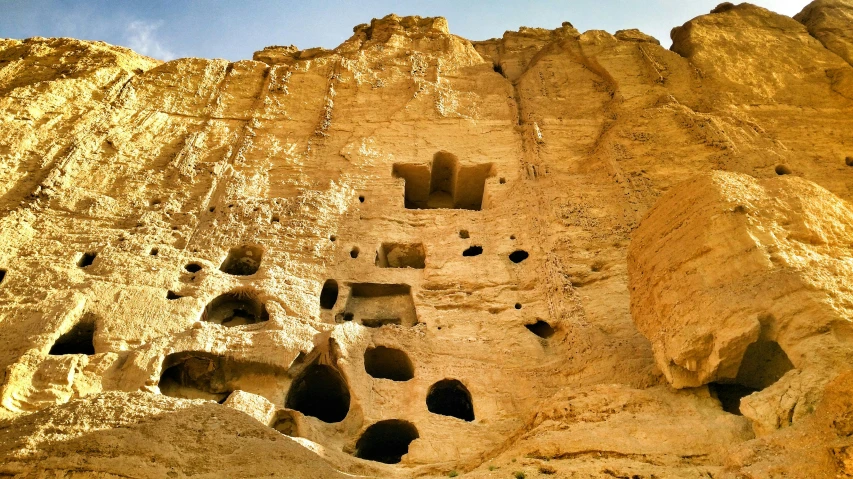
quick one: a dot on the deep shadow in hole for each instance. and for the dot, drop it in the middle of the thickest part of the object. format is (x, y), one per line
(194, 376)
(2, 275)
(518, 256)
(763, 363)
(730, 395)
(243, 260)
(78, 340)
(449, 397)
(171, 295)
(87, 259)
(541, 329)
(388, 363)
(329, 294)
(320, 391)
(193, 267)
(386, 441)
(473, 251)
(236, 309)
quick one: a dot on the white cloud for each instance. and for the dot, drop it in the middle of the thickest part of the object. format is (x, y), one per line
(140, 36)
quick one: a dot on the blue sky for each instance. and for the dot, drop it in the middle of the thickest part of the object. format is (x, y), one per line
(167, 29)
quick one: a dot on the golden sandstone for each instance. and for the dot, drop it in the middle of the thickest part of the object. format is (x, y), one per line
(552, 254)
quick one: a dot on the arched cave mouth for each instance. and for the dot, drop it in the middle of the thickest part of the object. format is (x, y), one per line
(243, 260)
(541, 329)
(194, 376)
(386, 441)
(236, 309)
(388, 363)
(763, 363)
(473, 251)
(77, 340)
(449, 397)
(329, 294)
(320, 391)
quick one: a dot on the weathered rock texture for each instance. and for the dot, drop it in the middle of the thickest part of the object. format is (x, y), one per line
(407, 256)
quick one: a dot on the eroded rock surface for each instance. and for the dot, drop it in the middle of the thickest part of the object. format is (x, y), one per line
(411, 233)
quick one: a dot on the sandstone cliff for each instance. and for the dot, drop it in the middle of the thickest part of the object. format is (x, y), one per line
(409, 256)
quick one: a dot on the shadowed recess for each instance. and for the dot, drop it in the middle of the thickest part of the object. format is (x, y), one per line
(329, 294)
(449, 397)
(236, 309)
(388, 363)
(242, 260)
(445, 183)
(401, 255)
(320, 391)
(87, 259)
(78, 340)
(386, 441)
(763, 363)
(541, 329)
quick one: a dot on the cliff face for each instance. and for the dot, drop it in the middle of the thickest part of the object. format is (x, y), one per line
(408, 255)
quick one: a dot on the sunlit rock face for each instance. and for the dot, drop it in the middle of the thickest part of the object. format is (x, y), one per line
(418, 256)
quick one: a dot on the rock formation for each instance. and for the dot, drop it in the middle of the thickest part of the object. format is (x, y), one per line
(552, 253)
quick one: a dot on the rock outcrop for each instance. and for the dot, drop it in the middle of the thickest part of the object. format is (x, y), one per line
(408, 256)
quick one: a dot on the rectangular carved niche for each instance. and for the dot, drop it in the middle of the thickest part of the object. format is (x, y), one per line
(401, 255)
(374, 305)
(444, 183)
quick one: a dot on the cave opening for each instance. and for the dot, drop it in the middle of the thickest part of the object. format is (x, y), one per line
(783, 170)
(445, 183)
(401, 255)
(449, 397)
(518, 256)
(87, 259)
(2, 275)
(236, 309)
(386, 441)
(763, 363)
(329, 294)
(541, 329)
(388, 363)
(374, 305)
(473, 251)
(320, 391)
(285, 423)
(193, 376)
(242, 260)
(193, 267)
(77, 340)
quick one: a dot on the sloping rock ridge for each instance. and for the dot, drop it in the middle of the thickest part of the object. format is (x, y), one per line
(552, 253)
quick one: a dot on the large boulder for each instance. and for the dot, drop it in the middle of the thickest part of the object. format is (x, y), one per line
(742, 282)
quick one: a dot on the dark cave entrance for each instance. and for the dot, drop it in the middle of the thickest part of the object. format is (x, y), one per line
(449, 397)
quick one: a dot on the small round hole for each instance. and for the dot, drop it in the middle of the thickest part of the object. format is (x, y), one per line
(503, 180)
(517, 305)
(848, 161)
(354, 253)
(154, 251)
(783, 170)
(276, 219)
(193, 267)
(464, 234)
(512, 237)
(361, 199)
(333, 238)
(212, 209)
